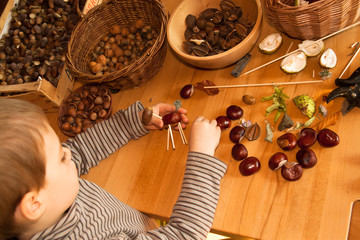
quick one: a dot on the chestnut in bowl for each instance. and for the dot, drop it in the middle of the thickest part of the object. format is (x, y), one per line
(328, 138)
(249, 166)
(236, 134)
(234, 112)
(291, 171)
(239, 151)
(277, 160)
(306, 157)
(223, 122)
(307, 137)
(287, 141)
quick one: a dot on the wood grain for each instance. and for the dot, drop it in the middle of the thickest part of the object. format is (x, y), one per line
(263, 206)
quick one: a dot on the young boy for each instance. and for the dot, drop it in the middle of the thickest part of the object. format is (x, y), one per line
(42, 196)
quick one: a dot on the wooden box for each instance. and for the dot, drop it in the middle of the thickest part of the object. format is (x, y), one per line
(41, 92)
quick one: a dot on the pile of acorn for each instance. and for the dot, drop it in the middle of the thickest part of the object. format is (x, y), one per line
(83, 108)
(122, 47)
(36, 41)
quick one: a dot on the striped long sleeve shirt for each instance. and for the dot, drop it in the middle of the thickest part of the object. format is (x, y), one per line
(96, 214)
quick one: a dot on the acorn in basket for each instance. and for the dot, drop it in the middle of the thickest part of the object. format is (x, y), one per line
(122, 46)
(83, 108)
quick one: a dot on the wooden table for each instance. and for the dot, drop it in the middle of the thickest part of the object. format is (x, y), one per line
(146, 176)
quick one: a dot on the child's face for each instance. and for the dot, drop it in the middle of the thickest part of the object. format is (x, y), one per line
(62, 183)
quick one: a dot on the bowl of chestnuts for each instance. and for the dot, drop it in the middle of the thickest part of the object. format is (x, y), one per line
(84, 107)
(214, 33)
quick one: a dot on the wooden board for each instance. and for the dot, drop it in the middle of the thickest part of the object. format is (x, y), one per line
(263, 206)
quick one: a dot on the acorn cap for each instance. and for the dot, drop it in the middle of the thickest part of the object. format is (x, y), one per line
(311, 48)
(328, 59)
(270, 43)
(294, 63)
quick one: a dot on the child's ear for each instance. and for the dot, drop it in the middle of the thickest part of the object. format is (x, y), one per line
(31, 206)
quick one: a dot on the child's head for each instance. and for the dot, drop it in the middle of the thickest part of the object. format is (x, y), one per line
(37, 178)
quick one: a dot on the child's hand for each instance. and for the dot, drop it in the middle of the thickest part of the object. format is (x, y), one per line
(162, 109)
(204, 136)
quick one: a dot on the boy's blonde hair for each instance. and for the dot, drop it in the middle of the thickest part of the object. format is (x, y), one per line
(22, 157)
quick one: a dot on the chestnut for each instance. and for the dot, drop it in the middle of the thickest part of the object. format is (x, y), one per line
(234, 112)
(223, 122)
(291, 171)
(306, 157)
(187, 91)
(237, 134)
(328, 138)
(239, 151)
(307, 137)
(171, 118)
(287, 141)
(249, 166)
(277, 160)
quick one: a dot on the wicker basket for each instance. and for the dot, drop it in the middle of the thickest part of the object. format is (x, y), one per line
(96, 24)
(313, 21)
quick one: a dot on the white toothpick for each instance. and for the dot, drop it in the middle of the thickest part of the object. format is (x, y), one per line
(167, 140)
(289, 47)
(182, 134)
(172, 137)
(155, 115)
(352, 58)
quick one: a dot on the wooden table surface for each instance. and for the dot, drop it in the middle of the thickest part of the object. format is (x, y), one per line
(146, 176)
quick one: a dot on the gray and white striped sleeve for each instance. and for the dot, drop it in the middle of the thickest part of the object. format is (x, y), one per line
(104, 138)
(194, 211)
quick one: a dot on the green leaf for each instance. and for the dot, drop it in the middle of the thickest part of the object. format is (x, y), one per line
(177, 104)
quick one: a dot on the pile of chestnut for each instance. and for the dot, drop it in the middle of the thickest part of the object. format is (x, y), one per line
(248, 165)
(305, 157)
(83, 108)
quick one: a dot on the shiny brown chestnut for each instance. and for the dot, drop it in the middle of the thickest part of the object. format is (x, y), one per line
(239, 151)
(328, 138)
(307, 137)
(187, 91)
(171, 118)
(237, 134)
(287, 141)
(306, 157)
(223, 122)
(249, 166)
(234, 112)
(291, 171)
(277, 160)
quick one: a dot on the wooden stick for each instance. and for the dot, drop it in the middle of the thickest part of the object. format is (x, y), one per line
(296, 50)
(172, 137)
(347, 66)
(167, 140)
(155, 115)
(289, 47)
(265, 84)
(182, 134)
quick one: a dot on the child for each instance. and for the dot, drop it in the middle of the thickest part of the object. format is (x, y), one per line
(42, 196)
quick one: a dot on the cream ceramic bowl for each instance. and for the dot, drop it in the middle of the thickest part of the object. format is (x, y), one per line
(176, 29)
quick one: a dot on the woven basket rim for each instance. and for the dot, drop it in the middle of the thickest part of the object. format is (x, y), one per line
(313, 6)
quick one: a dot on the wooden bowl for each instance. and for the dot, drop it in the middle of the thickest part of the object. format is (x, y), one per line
(94, 99)
(176, 29)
